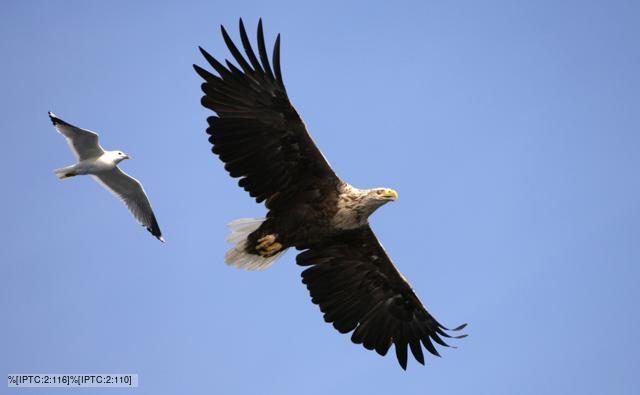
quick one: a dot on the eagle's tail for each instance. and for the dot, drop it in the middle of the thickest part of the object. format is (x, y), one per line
(238, 255)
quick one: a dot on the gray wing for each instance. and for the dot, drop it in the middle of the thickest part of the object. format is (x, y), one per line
(131, 192)
(83, 142)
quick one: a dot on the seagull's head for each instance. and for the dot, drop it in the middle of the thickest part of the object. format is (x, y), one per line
(120, 156)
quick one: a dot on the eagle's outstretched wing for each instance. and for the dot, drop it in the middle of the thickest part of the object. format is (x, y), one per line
(257, 133)
(359, 289)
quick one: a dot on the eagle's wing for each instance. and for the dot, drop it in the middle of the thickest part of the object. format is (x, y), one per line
(83, 142)
(358, 288)
(131, 192)
(257, 133)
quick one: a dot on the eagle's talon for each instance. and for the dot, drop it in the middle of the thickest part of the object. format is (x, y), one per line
(273, 248)
(265, 241)
(268, 246)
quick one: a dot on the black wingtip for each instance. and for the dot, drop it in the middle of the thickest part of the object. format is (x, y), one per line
(155, 232)
(276, 63)
(241, 25)
(201, 72)
(401, 353)
(262, 50)
(57, 121)
(54, 119)
(456, 329)
(459, 327)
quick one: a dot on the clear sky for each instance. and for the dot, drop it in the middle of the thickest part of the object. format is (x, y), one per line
(510, 130)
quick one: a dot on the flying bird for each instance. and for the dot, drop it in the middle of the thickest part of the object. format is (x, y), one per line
(103, 166)
(261, 139)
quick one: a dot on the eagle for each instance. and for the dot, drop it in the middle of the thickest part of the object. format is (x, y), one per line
(262, 140)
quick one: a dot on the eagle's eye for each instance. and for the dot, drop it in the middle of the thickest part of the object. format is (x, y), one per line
(379, 192)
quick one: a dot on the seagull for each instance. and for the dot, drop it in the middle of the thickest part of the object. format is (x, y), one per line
(103, 166)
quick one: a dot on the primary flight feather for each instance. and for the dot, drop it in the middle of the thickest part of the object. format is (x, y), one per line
(103, 166)
(262, 140)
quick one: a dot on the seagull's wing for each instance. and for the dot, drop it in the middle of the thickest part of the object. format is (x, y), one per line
(359, 289)
(83, 142)
(131, 192)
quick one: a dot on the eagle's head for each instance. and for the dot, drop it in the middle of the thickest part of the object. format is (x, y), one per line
(356, 205)
(377, 197)
(371, 199)
(382, 195)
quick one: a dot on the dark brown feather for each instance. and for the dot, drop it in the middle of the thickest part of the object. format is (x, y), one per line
(358, 288)
(263, 141)
(257, 132)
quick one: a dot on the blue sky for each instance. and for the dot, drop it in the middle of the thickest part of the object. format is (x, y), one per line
(510, 130)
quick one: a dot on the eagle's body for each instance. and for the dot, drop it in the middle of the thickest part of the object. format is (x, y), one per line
(290, 224)
(261, 138)
(323, 216)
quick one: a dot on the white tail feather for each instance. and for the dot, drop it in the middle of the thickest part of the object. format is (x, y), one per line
(238, 256)
(63, 172)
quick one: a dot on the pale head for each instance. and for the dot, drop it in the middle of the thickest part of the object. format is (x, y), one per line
(118, 156)
(383, 194)
(356, 205)
(376, 197)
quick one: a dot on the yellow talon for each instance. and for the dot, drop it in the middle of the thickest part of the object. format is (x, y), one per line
(275, 247)
(265, 241)
(268, 246)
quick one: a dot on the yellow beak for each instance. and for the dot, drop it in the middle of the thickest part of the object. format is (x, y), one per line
(391, 194)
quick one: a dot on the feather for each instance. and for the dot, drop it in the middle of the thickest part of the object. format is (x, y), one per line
(263, 52)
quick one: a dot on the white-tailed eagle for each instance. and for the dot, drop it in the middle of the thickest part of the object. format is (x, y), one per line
(263, 141)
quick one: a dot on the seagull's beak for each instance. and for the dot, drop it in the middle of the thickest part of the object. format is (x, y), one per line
(127, 157)
(390, 194)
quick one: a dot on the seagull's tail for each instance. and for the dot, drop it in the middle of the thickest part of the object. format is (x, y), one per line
(65, 172)
(238, 256)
